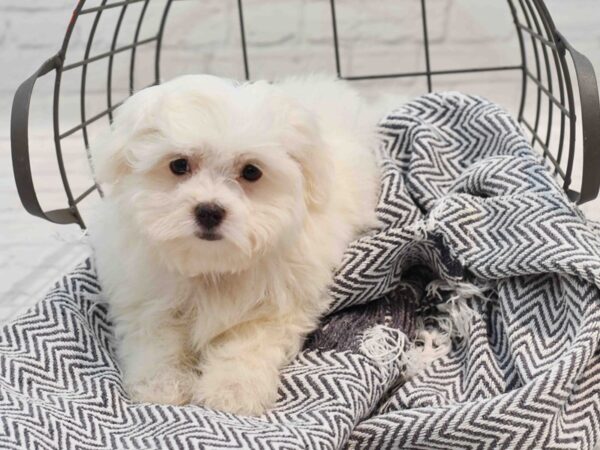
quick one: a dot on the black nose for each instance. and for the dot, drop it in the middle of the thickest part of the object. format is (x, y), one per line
(209, 215)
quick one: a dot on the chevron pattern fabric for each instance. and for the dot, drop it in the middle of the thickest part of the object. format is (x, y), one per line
(463, 200)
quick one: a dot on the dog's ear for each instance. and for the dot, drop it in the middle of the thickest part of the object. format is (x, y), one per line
(110, 157)
(311, 155)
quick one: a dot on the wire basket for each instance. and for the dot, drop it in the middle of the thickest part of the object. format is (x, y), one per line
(556, 87)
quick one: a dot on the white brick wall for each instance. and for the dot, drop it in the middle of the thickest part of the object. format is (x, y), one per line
(285, 36)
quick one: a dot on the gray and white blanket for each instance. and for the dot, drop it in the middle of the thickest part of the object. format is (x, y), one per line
(465, 204)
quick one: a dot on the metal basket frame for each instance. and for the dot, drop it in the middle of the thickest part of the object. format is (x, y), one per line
(533, 24)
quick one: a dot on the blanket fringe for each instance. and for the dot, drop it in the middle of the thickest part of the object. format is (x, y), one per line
(383, 344)
(429, 345)
(434, 334)
(387, 346)
(456, 315)
(422, 228)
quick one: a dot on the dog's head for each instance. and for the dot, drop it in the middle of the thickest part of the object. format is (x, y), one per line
(214, 174)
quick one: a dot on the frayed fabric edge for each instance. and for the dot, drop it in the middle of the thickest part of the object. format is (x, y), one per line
(421, 228)
(457, 316)
(384, 344)
(387, 346)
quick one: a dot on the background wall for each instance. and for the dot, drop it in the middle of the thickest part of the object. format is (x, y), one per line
(285, 36)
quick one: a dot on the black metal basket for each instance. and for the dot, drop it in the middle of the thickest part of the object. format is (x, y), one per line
(546, 61)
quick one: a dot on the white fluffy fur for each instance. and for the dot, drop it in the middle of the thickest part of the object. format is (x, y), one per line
(212, 322)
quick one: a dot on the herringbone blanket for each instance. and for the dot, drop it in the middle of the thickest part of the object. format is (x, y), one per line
(465, 206)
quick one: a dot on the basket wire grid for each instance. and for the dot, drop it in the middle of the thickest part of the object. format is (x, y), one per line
(545, 63)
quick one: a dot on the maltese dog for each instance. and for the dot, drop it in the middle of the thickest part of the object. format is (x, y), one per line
(227, 208)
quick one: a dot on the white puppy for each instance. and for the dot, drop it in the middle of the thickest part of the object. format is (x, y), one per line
(227, 208)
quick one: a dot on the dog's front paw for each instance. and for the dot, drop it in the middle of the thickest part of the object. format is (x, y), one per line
(169, 387)
(237, 388)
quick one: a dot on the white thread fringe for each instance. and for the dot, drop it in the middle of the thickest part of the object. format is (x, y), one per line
(459, 316)
(427, 225)
(387, 345)
(383, 344)
(428, 346)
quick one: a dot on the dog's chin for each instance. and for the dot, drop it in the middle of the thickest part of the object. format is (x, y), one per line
(204, 253)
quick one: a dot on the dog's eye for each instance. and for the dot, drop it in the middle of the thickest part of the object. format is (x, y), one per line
(179, 166)
(251, 173)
